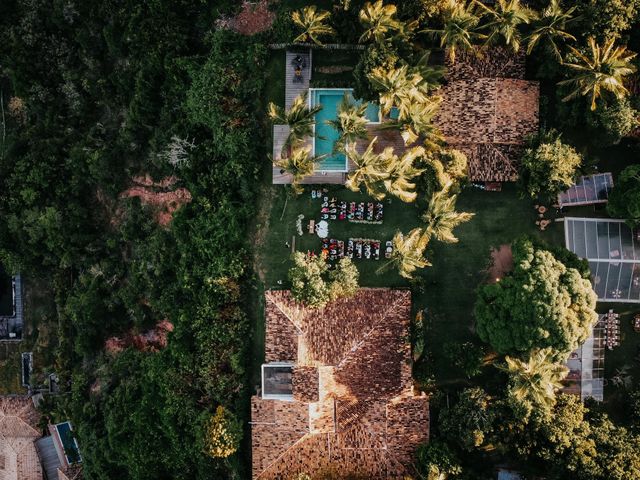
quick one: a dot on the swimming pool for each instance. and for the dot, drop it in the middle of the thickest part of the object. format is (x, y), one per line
(326, 136)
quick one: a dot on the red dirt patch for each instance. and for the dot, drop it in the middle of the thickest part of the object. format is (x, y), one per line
(149, 341)
(166, 202)
(255, 17)
(502, 263)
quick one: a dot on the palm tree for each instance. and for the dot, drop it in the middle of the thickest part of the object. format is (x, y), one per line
(299, 164)
(379, 20)
(351, 123)
(401, 173)
(408, 253)
(371, 170)
(550, 25)
(398, 88)
(506, 21)
(418, 123)
(603, 69)
(312, 23)
(535, 381)
(300, 119)
(432, 75)
(460, 28)
(441, 215)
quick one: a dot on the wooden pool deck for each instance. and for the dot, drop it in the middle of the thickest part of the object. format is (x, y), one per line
(281, 132)
(294, 88)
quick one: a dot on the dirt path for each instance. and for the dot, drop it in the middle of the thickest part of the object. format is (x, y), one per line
(160, 195)
(253, 18)
(501, 263)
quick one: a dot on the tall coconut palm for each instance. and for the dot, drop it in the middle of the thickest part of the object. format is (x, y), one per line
(460, 31)
(603, 69)
(441, 215)
(505, 22)
(402, 172)
(372, 169)
(351, 122)
(408, 253)
(299, 164)
(432, 75)
(398, 88)
(536, 380)
(300, 119)
(379, 20)
(549, 26)
(418, 124)
(313, 24)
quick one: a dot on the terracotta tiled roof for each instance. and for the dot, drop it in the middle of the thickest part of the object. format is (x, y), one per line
(305, 383)
(495, 62)
(18, 432)
(487, 109)
(72, 472)
(491, 162)
(353, 411)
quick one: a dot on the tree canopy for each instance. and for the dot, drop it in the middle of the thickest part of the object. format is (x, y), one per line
(548, 165)
(624, 199)
(314, 284)
(541, 304)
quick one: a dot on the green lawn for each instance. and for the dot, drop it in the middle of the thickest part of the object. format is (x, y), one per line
(274, 78)
(282, 228)
(446, 290)
(448, 286)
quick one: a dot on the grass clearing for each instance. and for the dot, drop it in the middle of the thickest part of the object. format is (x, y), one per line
(274, 78)
(447, 288)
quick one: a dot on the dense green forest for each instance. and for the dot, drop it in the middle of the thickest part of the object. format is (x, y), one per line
(93, 93)
(96, 94)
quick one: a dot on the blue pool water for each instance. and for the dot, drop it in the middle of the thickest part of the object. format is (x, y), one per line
(68, 442)
(326, 136)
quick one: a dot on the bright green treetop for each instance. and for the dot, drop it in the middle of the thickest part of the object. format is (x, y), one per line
(601, 70)
(550, 27)
(460, 27)
(533, 382)
(379, 21)
(505, 22)
(624, 199)
(314, 285)
(313, 24)
(408, 253)
(541, 304)
(548, 165)
(351, 123)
